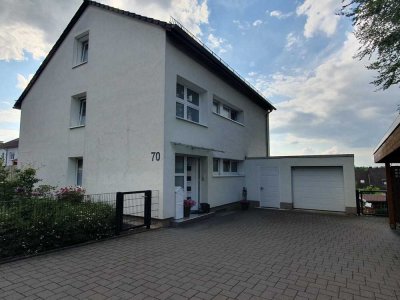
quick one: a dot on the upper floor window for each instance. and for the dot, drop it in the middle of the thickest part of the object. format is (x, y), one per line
(78, 110)
(82, 111)
(187, 103)
(81, 49)
(227, 111)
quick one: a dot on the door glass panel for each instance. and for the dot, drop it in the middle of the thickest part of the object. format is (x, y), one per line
(179, 181)
(179, 164)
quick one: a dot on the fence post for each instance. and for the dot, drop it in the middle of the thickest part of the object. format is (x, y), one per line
(147, 209)
(358, 202)
(119, 212)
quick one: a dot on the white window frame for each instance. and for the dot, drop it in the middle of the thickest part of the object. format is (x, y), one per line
(78, 112)
(79, 170)
(221, 171)
(81, 53)
(221, 107)
(82, 111)
(186, 103)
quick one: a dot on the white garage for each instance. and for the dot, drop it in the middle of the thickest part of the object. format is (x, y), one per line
(318, 182)
(320, 188)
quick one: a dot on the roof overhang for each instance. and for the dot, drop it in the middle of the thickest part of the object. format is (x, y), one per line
(193, 147)
(388, 150)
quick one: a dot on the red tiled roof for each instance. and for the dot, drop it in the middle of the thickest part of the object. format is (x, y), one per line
(374, 197)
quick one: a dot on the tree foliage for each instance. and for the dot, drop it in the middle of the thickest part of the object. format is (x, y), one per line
(377, 28)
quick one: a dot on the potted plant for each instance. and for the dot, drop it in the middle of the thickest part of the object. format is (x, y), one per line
(187, 205)
(244, 204)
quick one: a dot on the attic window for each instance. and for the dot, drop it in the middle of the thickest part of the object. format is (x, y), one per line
(81, 49)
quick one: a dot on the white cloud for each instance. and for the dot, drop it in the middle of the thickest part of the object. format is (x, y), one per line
(8, 134)
(33, 26)
(332, 150)
(278, 14)
(9, 121)
(321, 16)
(9, 116)
(257, 23)
(17, 38)
(23, 81)
(241, 25)
(191, 13)
(332, 107)
(292, 41)
(218, 44)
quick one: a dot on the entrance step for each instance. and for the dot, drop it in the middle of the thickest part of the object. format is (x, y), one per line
(193, 218)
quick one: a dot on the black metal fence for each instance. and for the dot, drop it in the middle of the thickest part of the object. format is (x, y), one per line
(36, 224)
(135, 209)
(372, 203)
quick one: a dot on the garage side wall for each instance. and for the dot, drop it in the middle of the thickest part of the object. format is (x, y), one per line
(256, 168)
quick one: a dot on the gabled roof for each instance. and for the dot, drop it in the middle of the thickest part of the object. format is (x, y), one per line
(10, 144)
(177, 34)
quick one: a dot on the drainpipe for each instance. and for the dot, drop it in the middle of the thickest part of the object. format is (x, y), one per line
(267, 132)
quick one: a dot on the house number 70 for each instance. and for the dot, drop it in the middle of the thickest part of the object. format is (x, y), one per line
(155, 156)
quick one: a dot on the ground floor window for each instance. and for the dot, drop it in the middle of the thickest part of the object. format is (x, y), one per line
(226, 166)
(79, 171)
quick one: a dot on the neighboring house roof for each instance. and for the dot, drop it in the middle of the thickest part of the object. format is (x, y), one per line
(374, 198)
(176, 33)
(10, 144)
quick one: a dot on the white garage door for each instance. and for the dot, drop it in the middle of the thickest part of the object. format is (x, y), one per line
(269, 187)
(318, 188)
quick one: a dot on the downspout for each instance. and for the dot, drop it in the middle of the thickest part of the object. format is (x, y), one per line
(267, 133)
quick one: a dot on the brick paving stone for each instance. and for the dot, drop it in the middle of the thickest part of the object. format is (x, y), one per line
(257, 254)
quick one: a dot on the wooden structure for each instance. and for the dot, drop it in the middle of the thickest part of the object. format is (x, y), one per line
(388, 152)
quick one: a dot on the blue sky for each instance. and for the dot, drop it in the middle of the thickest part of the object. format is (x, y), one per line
(297, 53)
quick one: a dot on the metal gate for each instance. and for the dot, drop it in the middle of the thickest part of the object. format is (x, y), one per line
(372, 203)
(133, 210)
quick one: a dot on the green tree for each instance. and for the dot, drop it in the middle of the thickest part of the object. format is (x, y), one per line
(377, 28)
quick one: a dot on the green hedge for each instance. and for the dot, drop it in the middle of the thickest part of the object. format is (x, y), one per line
(34, 225)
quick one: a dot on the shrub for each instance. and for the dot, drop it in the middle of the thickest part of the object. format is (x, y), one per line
(74, 194)
(33, 225)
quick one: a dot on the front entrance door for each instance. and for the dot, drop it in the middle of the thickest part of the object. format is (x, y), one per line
(187, 176)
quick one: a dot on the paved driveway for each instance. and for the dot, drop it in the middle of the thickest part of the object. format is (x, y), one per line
(242, 255)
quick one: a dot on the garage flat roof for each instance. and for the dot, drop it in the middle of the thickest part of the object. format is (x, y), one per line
(303, 156)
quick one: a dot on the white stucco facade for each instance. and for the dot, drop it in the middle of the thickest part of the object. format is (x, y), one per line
(124, 85)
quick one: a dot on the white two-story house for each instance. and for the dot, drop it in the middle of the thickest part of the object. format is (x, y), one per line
(124, 102)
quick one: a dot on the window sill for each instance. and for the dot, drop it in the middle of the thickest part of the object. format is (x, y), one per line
(78, 126)
(179, 118)
(236, 122)
(80, 64)
(228, 175)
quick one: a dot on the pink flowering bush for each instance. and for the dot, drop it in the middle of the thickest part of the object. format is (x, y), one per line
(73, 194)
(189, 203)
